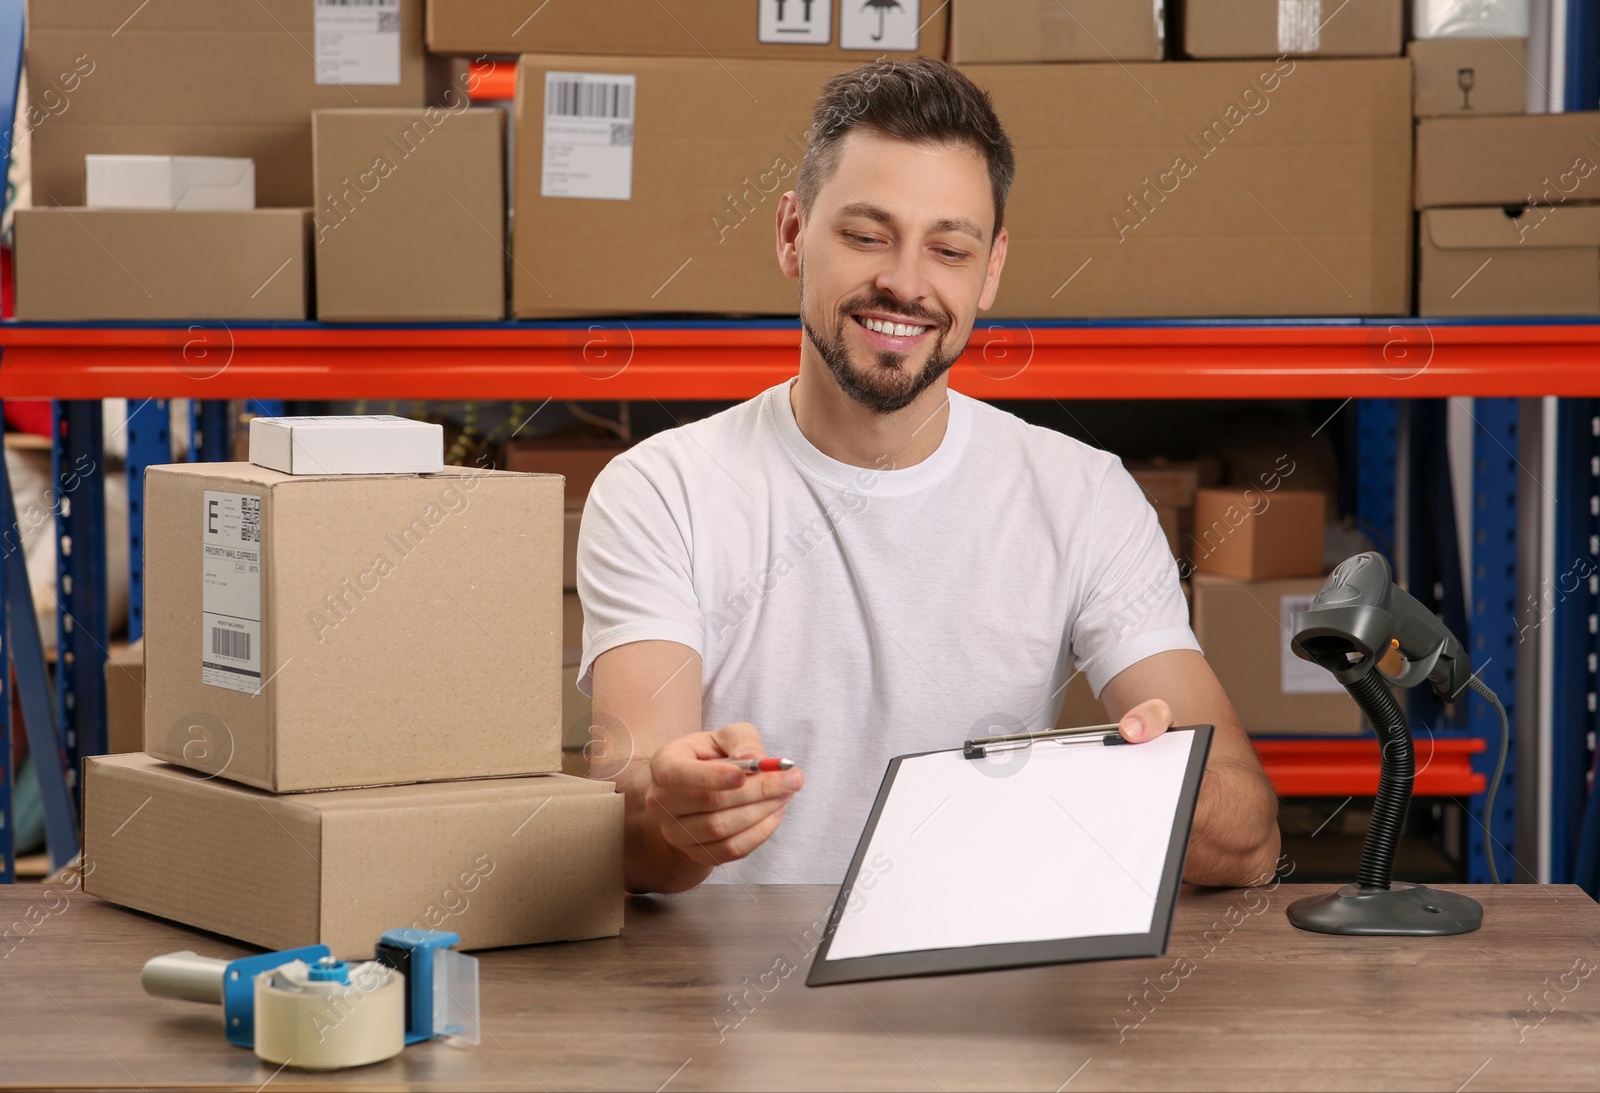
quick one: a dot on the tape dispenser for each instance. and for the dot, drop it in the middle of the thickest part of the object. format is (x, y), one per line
(303, 1008)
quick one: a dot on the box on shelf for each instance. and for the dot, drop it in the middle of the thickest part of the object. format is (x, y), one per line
(1470, 76)
(665, 160)
(800, 30)
(90, 264)
(352, 630)
(570, 522)
(1230, 189)
(1544, 261)
(571, 626)
(1479, 19)
(1030, 31)
(1537, 159)
(505, 861)
(367, 444)
(170, 182)
(1174, 482)
(579, 462)
(1258, 533)
(410, 217)
(1175, 524)
(125, 698)
(193, 78)
(574, 711)
(1291, 28)
(1244, 628)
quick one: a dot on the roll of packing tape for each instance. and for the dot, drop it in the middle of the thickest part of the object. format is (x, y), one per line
(307, 1017)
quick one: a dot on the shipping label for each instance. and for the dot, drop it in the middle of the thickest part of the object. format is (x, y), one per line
(230, 605)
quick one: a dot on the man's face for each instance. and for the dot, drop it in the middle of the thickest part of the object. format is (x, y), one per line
(895, 261)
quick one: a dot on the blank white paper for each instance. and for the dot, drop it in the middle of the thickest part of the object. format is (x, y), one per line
(1057, 841)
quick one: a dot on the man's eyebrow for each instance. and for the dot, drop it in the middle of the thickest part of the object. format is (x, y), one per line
(879, 215)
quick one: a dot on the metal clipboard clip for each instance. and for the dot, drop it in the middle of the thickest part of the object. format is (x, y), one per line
(981, 746)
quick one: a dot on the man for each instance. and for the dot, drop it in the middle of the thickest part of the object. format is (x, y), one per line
(860, 563)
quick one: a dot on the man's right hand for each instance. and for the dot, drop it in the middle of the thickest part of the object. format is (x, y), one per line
(712, 812)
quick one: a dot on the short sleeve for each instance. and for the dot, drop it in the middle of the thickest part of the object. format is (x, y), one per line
(1131, 604)
(635, 575)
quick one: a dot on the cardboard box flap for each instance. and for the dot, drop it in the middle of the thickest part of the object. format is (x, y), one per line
(1491, 229)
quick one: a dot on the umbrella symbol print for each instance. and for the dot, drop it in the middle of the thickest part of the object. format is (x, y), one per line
(881, 6)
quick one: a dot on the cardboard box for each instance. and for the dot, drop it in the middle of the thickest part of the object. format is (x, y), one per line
(192, 77)
(410, 217)
(1545, 261)
(570, 522)
(1230, 189)
(769, 30)
(1174, 483)
(1258, 533)
(344, 630)
(367, 444)
(508, 861)
(689, 193)
(1471, 76)
(1175, 525)
(170, 182)
(125, 699)
(574, 711)
(1291, 28)
(571, 626)
(95, 264)
(1244, 628)
(579, 462)
(1031, 31)
(1547, 159)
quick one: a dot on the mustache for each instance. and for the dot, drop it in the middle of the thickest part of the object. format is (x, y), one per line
(878, 302)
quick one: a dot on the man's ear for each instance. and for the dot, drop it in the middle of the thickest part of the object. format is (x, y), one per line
(991, 276)
(790, 222)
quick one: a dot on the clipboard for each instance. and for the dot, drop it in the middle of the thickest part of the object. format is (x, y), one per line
(1042, 848)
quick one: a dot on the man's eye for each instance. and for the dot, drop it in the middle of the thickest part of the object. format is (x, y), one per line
(863, 239)
(950, 255)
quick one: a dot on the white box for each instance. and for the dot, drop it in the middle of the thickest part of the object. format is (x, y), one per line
(378, 444)
(1469, 19)
(170, 182)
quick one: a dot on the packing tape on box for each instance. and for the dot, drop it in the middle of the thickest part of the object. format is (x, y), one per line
(1299, 26)
(328, 1024)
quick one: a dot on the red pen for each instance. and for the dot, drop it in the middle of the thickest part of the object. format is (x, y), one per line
(751, 766)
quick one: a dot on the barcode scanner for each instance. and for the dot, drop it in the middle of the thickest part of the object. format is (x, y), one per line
(1357, 618)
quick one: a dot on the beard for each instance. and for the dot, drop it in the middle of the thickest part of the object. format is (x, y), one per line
(884, 384)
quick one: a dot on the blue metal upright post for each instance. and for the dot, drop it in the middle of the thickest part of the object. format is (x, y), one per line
(8, 837)
(149, 443)
(1574, 610)
(1377, 452)
(208, 431)
(82, 619)
(1493, 623)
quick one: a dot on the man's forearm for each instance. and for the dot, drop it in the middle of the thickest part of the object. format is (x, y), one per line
(1235, 840)
(649, 862)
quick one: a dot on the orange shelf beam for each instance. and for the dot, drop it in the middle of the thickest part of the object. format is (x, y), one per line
(1349, 768)
(613, 359)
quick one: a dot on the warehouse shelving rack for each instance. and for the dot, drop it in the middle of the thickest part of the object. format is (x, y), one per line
(1374, 364)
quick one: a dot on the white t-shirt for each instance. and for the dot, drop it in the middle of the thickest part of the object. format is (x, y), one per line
(855, 614)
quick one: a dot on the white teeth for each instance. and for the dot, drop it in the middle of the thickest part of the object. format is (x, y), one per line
(898, 330)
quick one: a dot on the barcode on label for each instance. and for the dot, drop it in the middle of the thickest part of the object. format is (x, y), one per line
(589, 98)
(250, 524)
(233, 644)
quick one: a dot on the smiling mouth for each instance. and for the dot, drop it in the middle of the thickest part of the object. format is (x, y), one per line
(889, 328)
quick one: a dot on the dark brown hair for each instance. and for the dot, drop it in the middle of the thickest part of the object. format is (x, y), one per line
(923, 100)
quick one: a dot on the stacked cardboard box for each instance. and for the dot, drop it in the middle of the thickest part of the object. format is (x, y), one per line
(580, 463)
(1291, 28)
(1509, 218)
(1257, 557)
(391, 641)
